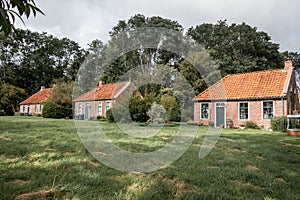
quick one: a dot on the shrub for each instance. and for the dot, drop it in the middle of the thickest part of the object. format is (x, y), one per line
(101, 118)
(53, 110)
(279, 123)
(157, 113)
(138, 107)
(251, 124)
(109, 116)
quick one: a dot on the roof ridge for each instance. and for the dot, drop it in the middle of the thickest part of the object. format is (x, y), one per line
(259, 71)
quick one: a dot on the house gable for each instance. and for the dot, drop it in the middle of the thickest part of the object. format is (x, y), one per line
(254, 96)
(41, 96)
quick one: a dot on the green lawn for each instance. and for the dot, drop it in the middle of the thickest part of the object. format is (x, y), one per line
(44, 159)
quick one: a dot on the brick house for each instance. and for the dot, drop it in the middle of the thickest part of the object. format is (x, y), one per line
(34, 104)
(98, 100)
(255, 96)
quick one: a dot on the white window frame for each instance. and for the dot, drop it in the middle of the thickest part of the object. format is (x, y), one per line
(262, 110)
(207, 110)
(107, 105)
(239, 114)
(100, 108)
(79, 108)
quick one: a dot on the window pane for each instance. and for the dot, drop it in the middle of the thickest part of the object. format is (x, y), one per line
(243, 110)
(267, 109)
(100, 108)
(204, 111)
(107, 105)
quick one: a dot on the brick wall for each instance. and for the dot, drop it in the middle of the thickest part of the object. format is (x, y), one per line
(31, 109)
(93, 107)
(255, 112)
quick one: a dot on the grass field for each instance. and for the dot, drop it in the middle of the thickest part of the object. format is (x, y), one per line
(44, 159)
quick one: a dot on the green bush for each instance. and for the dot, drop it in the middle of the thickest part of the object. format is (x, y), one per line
(252, 125)
(279, 123)
(53, 110)
(101, 118)
(109, 116)
(138, 107)
(174, 115)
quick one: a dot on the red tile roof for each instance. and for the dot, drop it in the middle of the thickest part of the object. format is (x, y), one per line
(106, 91)
(39, 97)
(253, 85)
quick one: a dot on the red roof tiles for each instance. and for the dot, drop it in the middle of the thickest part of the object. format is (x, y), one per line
(39, 97)
(253, 85)
(106, 91)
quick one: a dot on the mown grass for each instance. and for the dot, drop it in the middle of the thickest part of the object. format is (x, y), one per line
(44, 159)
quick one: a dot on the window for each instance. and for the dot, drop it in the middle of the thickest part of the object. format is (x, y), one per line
(40, 107)
(35, 108)
(107, 105)
(267, 109)
(28, 109)
(100, 108)
(204, 111)
(79, 109)
(220, 104)
(243, 110)
(23, 109)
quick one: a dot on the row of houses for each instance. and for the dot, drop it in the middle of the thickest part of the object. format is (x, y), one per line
(232, 101)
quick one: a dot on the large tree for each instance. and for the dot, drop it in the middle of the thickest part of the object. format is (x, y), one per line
(10, 98)
(144, 56)
(238, 47)
(30, 59)
(10, 9)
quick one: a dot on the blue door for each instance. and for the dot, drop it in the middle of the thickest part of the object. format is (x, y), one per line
(220, 114)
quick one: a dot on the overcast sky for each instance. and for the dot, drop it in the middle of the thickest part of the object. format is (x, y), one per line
(86, 20)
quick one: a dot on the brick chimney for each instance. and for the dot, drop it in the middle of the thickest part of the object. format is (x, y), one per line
(288, 65)
(42, 88)
(101, 82)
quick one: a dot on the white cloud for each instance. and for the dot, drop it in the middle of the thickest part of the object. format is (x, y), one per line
(84, 21)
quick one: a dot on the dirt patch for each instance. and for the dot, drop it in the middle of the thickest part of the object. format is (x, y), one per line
(11, 160)
(41, 193)
(280, 180)
(36, 163)
(213, 167)
(252, 167)
(19, 182)
(6, 138)
(290, 145)
(137, 173)
(49, 148)
(94, 164)
(68, 153)
(249, 185)
(260, 157)
(98, 153)
(35, 156)
(231, 149)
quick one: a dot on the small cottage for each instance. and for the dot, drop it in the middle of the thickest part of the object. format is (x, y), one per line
(34, 104)
(98, 100)
(255, 96)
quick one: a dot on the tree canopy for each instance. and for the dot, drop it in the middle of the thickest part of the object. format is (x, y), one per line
(238, 47)
(30, 59)
(10, 9)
